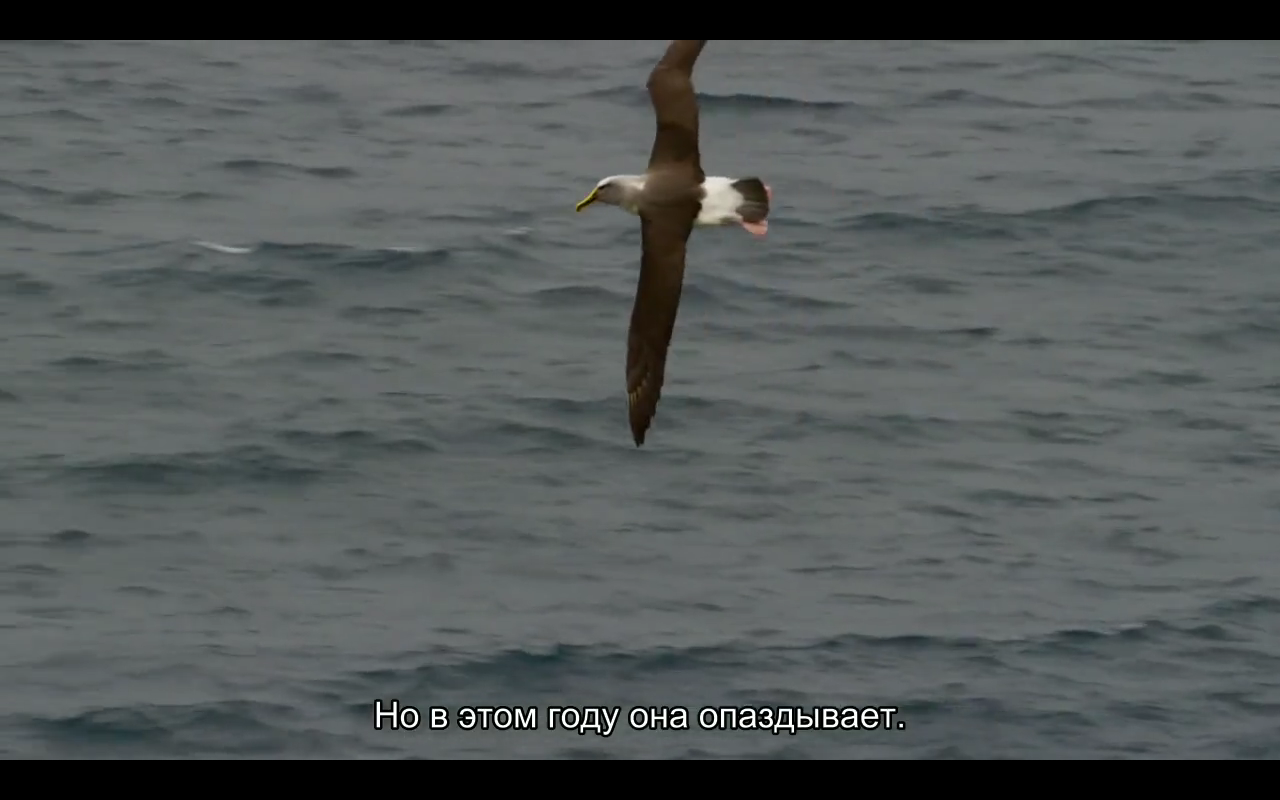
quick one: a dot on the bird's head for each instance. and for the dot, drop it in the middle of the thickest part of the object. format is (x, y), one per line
(615, 190)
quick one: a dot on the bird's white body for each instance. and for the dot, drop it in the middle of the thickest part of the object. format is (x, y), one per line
(719, 203)
(720, 200)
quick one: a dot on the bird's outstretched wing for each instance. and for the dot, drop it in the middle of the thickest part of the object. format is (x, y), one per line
(664, 233)
(675, 143)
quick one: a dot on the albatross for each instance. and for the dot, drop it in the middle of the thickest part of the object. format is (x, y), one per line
(671, 198)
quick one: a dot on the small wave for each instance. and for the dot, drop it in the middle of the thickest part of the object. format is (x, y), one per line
(269, 279)
(353, 442)
(223, 248)
(529, 438)
(263, 286)
(145, 360)
(926, 284)
(722, 288)
(312, 249)
(762, 101)
(64, 115)
(420, 110)
(27, 224)
(22, 283)
(576, 296)
(380, 313)
(513, 70)
(1162, 198)
(93, 197)
(258, 166)
(967, 99)
(738, 100)
(968, 225)
(233, 726)
(402, 258)
(35, 190)
(195, 472)
(311, 93)
(1156, 101)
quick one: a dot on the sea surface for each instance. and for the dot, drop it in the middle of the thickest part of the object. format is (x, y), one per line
(312, 398)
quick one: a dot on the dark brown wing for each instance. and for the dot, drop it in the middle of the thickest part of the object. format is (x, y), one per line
(676, 108)
(653, 318)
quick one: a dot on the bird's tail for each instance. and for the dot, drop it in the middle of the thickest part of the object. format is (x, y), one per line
(755, 199)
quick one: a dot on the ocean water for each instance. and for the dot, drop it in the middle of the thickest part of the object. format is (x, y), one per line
(312, 398)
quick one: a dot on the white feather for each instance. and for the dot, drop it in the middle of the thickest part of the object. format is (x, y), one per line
(720, 205)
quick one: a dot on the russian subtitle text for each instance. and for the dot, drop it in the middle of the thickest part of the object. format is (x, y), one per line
(606, 720)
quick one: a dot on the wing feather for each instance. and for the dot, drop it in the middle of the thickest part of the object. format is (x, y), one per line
(675, 106)
(653, 317)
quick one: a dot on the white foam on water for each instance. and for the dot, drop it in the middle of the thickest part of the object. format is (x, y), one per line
(224, 248)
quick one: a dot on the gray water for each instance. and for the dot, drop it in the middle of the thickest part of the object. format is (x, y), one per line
(312, 397)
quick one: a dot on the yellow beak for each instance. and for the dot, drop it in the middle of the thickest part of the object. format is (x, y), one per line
(588, 200)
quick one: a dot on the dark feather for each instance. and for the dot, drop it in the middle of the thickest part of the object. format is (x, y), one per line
(676, 108)
(653, 317)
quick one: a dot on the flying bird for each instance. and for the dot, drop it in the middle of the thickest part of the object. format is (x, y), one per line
(671, 198)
